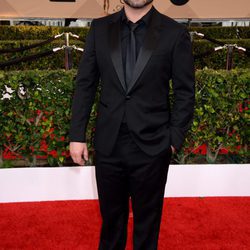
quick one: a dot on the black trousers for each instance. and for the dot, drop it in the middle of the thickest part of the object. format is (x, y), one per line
(129, 172)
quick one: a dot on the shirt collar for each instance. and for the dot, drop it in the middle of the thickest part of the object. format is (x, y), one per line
(145, 19)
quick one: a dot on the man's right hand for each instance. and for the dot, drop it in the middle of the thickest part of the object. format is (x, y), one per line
(79, 152)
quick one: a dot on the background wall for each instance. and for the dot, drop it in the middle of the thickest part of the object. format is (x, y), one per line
(95, 8)
(76, 183)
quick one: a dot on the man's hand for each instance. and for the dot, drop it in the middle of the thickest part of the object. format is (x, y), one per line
(79, 152)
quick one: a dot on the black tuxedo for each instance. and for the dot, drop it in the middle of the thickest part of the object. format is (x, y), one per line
(165, 54)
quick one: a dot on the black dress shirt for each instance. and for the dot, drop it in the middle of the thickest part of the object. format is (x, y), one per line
(139, 33)
(139, 37)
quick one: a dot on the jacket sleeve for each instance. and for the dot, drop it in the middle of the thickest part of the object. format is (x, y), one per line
(183, 80)
(87, 80)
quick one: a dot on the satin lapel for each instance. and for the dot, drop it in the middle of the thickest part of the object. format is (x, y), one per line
(150, 42)
(115, 49)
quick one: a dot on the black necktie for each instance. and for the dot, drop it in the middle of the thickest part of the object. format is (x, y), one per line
(131, 53)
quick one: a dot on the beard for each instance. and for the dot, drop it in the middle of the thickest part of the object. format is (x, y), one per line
(137, 4)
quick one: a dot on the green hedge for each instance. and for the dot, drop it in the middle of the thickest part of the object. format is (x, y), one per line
(221, 114)
(18, 36)
(43, 32)
(37, 32)
(218, 32)
(54, 61)
(216, 61)
(43, 114)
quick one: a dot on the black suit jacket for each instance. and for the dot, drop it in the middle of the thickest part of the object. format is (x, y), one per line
(166, 54)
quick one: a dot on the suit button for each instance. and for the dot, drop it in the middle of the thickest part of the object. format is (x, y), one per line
(128, 97)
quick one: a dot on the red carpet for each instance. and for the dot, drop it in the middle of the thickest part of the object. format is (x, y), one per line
(188, 223)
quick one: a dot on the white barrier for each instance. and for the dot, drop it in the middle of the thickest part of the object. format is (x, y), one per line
(77, 183)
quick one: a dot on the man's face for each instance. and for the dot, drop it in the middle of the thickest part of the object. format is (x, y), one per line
(137, 4)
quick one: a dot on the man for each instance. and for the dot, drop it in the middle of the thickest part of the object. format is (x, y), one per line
(134, 53)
